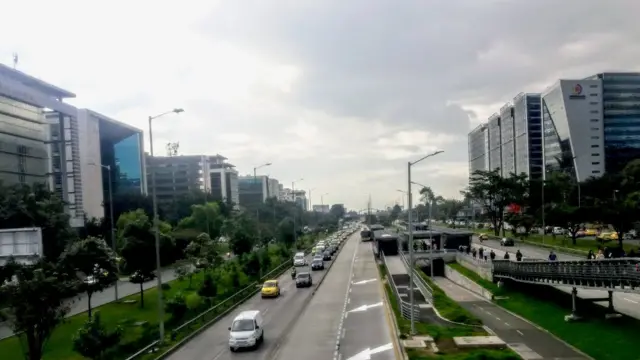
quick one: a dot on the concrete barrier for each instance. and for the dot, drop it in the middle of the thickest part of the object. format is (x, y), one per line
(473, 264)
(466, 283)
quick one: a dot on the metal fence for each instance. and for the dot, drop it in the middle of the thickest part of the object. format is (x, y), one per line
(422, 285)
(613, 274)
(405, 307)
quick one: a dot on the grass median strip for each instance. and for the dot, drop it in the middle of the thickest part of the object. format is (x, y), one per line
(443, 336)
(448, 308)
(599, 338)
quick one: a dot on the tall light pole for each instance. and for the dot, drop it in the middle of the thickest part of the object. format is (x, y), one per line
(430, 230)
(322, 199)
(156, 229)
(405, 193)
(310, 207)
(411, 255)
(295, 205)
(112, 221)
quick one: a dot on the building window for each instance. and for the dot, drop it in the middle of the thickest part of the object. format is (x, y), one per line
(595, 154)
(595, 137)
(595, 146)
(595, 120)
(595, 129)
(594, 111)
(595, 172)
(594, 86)
(594, 103)
(595, 163)
(593, 95)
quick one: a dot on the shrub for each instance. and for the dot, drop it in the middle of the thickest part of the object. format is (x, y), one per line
(193, 301)
(177, 307)
(165, 286)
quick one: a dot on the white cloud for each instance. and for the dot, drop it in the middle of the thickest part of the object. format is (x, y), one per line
(316, 88)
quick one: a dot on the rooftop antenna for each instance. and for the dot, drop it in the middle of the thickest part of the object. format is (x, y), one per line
(172, 149)
(15, 60)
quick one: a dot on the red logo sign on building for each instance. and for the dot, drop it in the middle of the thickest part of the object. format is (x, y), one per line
(577, 89)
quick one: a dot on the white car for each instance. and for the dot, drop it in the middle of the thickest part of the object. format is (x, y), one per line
(299, 260)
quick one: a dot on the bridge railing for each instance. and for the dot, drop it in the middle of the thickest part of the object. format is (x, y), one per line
(624, 270)
(422, 285)
(405, 307)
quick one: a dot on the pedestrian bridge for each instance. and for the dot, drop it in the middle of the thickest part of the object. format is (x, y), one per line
(608, 274)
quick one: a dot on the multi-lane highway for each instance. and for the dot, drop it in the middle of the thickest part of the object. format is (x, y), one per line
(628, 304)
(346, 319)
(305, 322)
(522, 337)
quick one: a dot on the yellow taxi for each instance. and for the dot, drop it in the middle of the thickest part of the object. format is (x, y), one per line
(270, 288)
(591, 232)
(483, 237)
(607, 236)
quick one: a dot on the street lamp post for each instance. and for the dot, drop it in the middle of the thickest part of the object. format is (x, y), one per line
(293, 194)
(156, 229)
(411, 255)
(430, 230)
(322, 199)
(404, 192)
(112, 221)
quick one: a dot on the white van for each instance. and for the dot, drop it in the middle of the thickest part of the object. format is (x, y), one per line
(299, 259)
(246, 330)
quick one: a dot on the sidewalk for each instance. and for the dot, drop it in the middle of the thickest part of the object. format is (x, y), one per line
(79, 303)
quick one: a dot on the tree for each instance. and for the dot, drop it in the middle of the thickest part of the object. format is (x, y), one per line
(205, 218)
(242, 233)
(35, 302)
(337, 211)
(449, 208)
(395, 212)
(94, 263)
(208, 289)
(568, 217)
(203, 252)
(24, 206)
(92, 340)
(285, 232)
(138, 250)
(495, 193)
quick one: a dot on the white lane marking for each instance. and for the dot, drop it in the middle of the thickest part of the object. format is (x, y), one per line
(520, 332)
(348, 300)
(341, 328)
(344, 332)
(498, 318)
(362, 282)
(265, 311)
(506, 323)
(365, 307)
(631, 301)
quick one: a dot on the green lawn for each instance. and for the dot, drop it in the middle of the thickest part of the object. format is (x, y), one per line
(448, 308)
(443, 336)
(602, 339)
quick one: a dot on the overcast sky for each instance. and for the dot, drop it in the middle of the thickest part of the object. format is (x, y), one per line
(340, 93)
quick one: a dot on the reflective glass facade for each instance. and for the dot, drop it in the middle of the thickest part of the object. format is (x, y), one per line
(621, 113)
(24, 155)
(129, 163)
(495, 143)
(478, 149)
(507, 135)
(528, 134)
(251, 190)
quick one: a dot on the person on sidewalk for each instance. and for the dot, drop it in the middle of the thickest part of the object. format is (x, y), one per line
(591, 255)
(552, 256)
(492, 255)
(506, 255)
(481, 252)
(518, 255)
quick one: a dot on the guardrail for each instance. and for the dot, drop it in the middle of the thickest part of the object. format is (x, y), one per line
(405, 307)
(422, 285)
(610, 274)
(213, 314)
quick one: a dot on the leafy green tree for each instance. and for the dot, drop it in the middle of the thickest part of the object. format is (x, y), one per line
(337, 211)
(95, 264)
(177, 307)
(203, 252)
(568, 217)
(395, 212)
(285, 232)
(93, 339)
(24, 206)
(208, 289)
(495, 193)
(139, 251)
(205, 218)
(449, 208)
(35, 302)
(242, 233)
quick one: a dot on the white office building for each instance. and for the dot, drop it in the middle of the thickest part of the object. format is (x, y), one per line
(478, 149)
(573, 128)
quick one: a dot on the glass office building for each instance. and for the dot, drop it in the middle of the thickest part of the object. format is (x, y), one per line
(528, 134)
(129, 163)
(478, 147)
(621, 118)
(507, 137)
(495, 142)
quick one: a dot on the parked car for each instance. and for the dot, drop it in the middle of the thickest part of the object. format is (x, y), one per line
(507, 242)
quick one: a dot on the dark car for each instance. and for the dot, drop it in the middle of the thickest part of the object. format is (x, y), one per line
(317, 264)
(507, 242)
(327, 255)
(303, 279)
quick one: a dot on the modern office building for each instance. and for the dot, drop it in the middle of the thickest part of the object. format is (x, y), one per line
(177, 176)
(253, 189)
(274, 188)
(620, 118)
(97, 150)
(507, 140)
(528, 134)
(478, 148)
(495, 142)
(223, 180)
(297, 196)
(321, 208)
(573, 128)
(24, 135)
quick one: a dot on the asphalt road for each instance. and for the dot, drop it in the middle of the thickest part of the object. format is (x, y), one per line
(280, 316)
(624, 303)
(79, 303)
(523, 338)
